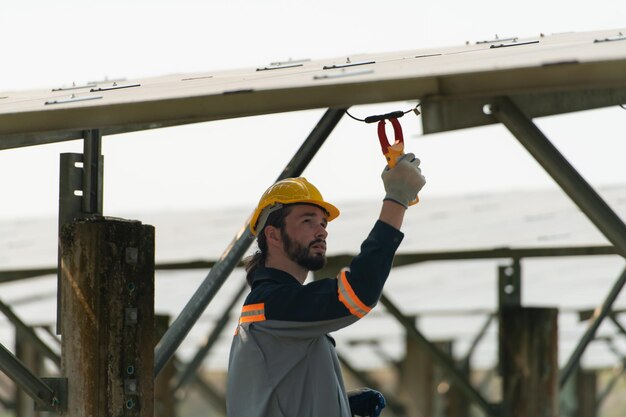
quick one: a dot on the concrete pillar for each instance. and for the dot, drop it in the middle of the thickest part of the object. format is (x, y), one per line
(107, 317)
(528, 362)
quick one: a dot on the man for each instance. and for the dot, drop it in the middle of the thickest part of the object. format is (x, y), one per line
(282, 361)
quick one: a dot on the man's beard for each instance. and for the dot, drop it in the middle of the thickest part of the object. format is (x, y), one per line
(300, 254)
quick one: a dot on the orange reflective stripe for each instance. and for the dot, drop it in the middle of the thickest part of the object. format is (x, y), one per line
(349, 298)
(352, 310)
(249, 319)
(251, 307)
(252, 312)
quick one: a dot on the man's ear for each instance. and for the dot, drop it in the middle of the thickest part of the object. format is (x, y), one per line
(272, 236)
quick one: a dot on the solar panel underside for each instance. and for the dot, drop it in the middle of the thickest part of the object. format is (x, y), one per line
(559, 62)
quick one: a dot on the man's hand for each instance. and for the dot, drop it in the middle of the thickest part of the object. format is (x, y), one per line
(366, 402)
(404, 181)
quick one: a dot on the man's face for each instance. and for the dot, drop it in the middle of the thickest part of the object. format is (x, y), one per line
(304, 236)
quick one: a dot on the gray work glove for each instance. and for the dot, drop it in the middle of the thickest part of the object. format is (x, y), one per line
(404, 181)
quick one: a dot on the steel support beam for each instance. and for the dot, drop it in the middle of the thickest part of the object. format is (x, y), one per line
(574, 185)
(399, 260)
(193, 366)
(443, 360)
(30, 334)
(599, 315)
(37, 389)
(444, 113)
(179, 329)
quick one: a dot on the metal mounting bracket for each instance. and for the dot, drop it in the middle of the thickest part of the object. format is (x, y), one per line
(59, 402)
(80, 191)
(510, 285)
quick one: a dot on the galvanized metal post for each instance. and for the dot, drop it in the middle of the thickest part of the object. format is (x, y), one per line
(237, 248)
(446, 363)
(108, 317)
(574, 185)
(80, 191)
(92, 172)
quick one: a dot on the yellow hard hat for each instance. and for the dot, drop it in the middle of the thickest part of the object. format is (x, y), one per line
(288, 191)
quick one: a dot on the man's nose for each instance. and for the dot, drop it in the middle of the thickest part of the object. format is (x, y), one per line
(321, 233)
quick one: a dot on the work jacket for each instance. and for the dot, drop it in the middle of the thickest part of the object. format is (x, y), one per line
(282, 361)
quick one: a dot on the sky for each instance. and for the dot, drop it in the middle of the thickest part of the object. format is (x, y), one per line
(230, 163)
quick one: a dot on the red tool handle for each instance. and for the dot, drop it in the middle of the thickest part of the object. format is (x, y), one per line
(395, 151)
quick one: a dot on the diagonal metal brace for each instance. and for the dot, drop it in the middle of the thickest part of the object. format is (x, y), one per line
(574, 185)
(29, 333)
(45, 396)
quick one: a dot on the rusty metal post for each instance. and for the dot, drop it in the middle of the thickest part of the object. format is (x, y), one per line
(107, 268)
(528, 362)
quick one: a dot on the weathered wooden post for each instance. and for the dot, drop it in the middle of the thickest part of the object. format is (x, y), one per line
(425, 390)
(451, 400)
(416, 380)
(107, 269)
(528, 351)
(528, 362)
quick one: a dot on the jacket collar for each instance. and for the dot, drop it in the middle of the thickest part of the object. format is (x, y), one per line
(273, 274)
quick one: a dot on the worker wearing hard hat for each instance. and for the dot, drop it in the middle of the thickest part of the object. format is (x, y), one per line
(282, 361)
